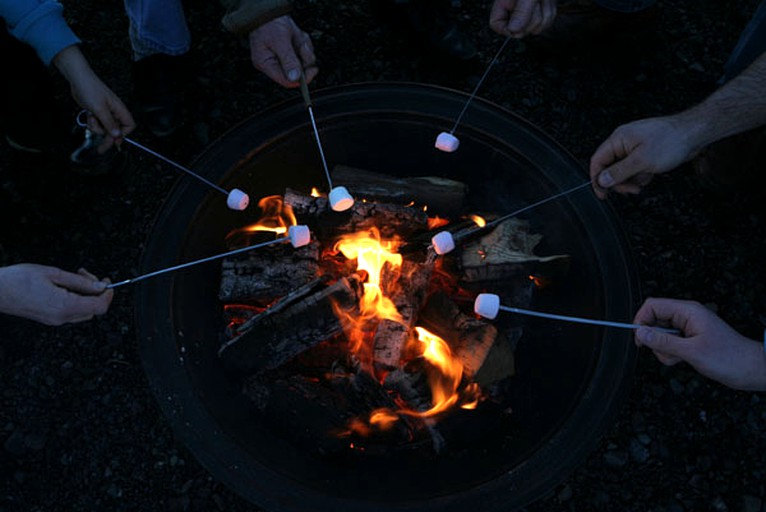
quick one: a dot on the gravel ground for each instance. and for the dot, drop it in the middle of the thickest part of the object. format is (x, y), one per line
(79, 427)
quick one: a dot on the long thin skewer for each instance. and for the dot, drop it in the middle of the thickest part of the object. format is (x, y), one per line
(478, 84)
(197, 262)
(81, 122)
(309, 106)
(580, 320)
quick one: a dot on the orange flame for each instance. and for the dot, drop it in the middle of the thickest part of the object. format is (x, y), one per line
(315, 192)
(276, 218)
(444, 383)
(478, 220)
(436, 222)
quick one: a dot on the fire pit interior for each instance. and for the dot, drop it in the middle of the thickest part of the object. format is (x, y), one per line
(568, 378)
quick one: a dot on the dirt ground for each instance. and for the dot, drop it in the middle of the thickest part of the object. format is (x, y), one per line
(79, 426)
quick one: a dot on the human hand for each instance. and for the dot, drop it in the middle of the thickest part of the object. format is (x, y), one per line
(281, 50)
(50, 295)
(107, 114)
(635, 152)
(519, 18)
(712, 347)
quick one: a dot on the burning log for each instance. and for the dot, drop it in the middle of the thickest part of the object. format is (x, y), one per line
(300, 320)
(500, 362)
(470, 339)
(407, 290)
(264, 275)
(441, 195)
(323, 414)
(507, 251)
(390, 219)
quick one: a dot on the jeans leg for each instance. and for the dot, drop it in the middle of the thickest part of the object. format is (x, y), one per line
(751, 44)
(157, 26)
(626, 6)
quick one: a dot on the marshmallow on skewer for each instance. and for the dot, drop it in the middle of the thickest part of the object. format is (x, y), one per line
(340, 199)
(447, 142)
(443, 242)
(299, 235)
(237, 200)
(487, 305)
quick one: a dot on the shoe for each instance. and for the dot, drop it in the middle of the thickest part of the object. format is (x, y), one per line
(427, 25)
(158, 83)
(578, 22)
(734, 165)
(88, 161)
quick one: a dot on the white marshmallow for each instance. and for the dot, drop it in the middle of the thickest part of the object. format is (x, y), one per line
(237, 200)
(340, 199)
(443, 242)
(487, 305)
(447, 142)
(299, 235)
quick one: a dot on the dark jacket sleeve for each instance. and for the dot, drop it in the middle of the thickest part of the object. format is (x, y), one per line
(242, 16)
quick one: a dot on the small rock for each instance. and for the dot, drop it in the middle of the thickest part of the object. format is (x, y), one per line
(15, 443)
(35, 441)
(697, 67)
(638, 451)
(751, 503)
(616, 458)
(114, 491)
(676, 387)
(719, 505)
(565, 494)
(644, 439)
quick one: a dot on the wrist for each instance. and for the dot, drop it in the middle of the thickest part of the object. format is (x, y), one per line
(71, 63)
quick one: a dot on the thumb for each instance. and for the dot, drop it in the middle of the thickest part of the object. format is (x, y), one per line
(663, 342)
(288, 60)
(521, 15)
(619, 172)
(78, 283)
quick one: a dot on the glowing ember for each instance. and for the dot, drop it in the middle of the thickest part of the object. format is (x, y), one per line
(315, 192)
(436, 222)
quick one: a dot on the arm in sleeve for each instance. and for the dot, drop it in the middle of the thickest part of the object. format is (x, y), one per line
(39, 23)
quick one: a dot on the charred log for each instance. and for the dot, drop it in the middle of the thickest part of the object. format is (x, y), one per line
(265, 274)
(391, 219)
(299, 321)
(441, 195)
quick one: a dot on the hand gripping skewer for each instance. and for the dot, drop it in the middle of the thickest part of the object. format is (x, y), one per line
(488, 305)
(446, 141)
(235, 198)
(339, 197)
(298, 236)
(443, 242)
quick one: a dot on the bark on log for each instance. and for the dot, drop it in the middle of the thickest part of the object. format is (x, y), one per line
(390, 219)
(442, 196)
(500, 362)
(299, 321)
(469, 338)
(265, 274)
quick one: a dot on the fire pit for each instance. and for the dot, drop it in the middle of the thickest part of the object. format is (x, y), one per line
(569, 378)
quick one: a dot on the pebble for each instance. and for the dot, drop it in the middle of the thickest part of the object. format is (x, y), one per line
(638, 451)
(751, 503)
(616, 458)
(719, 505)
(15, 443)
(565, 494)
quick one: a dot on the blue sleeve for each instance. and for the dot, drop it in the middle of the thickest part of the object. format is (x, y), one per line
(40, 24)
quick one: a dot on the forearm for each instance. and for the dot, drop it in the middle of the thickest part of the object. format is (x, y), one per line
(72, 64)
(242, 16)
(738, 106)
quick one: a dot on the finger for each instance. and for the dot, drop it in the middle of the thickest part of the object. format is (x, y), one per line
(270, 67)
(549, 14)
(535, 22)
(667, 344)
(85, 273)
(499, 16)
(660, 311)
(93, 124)
(666, 359)
(288, 60)
(76, 283)
(521, 17)
(627, 188)
(620, 172)
(305, 51)
(80, 307)
(124, 118)
(105, 145)
(107, 121)
(310, 73)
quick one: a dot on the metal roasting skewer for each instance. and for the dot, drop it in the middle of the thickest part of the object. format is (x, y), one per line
(580, 320)
(478, 84)
(309, 106)
(197, 262)
(83, 124)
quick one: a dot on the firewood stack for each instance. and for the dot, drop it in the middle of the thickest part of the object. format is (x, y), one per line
(291, 346)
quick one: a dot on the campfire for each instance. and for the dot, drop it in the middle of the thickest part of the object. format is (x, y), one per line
(365, 338)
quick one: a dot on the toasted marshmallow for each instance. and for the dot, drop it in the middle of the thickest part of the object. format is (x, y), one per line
(447, 142)
(237, 200)
(340, 199)
(443, 242)
(299, 235)
(487, 305)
